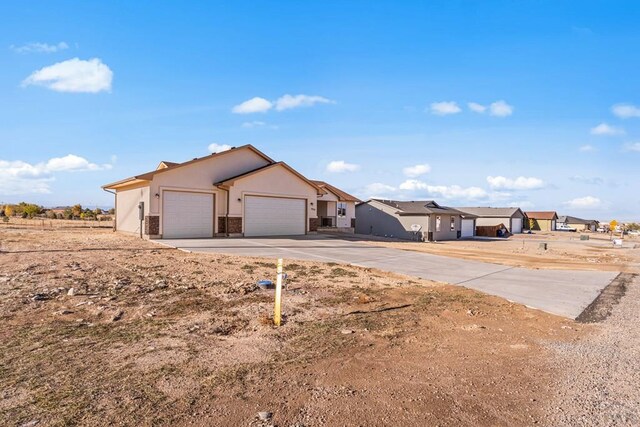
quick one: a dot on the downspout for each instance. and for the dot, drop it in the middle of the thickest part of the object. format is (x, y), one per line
(226, 218)
(115, 206)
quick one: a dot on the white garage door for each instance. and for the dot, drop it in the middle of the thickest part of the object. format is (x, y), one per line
(516, 225)
(187, 215)
(274, 216)
(467, 228)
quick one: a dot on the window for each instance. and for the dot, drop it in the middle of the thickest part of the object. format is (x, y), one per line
(438, 223)
(342, 209)
(453, 223)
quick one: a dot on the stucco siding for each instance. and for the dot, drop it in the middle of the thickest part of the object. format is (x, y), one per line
(542, 225)
(276, 182)
(379, 219)
(202, 175)
(445, 232)
(345, 221)
(127, 218)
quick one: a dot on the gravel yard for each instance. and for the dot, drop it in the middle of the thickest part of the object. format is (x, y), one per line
(600, 385)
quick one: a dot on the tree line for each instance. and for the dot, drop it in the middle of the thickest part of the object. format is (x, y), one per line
(30, 210)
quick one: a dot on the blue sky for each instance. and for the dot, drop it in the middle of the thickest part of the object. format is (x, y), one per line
(373, 97)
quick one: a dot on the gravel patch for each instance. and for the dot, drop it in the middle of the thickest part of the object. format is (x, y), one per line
(601, 371)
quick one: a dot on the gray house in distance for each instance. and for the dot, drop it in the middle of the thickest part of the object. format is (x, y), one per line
(578, 223)
(419, 220)
(512, 218)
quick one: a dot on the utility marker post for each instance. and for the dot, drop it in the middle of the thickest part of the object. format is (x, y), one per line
(276, 312)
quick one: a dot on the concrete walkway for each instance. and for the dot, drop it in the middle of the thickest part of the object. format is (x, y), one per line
(563, 292)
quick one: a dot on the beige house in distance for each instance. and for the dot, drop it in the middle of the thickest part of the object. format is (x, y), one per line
(541, 221)
(238, 192)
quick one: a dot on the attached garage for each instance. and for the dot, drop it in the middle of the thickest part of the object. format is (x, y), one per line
(516, 225)
(237, 192)
(467, 228)
(187, 215)
(512, 218)
(274, 216)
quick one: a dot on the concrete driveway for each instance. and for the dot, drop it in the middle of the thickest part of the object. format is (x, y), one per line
(563, 292)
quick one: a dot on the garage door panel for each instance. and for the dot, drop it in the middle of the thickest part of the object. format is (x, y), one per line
(274, 216)
(187, 215)
(516, 225)
(467, 229)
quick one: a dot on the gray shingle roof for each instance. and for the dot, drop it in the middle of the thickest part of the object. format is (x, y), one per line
(567, 219)
(420, 207)
(490, 212)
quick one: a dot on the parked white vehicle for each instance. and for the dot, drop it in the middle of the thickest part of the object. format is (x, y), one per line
(564, 227)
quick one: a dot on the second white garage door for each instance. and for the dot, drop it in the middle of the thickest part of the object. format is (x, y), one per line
(516, 225)
(274, 216)
(466, 230)
(186, 215)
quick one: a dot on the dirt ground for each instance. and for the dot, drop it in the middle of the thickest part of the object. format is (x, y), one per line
(564, 251)
(154, 336)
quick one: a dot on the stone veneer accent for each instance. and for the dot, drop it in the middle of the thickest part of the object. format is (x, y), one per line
(235, 225)
(152, 225)
(313, 224)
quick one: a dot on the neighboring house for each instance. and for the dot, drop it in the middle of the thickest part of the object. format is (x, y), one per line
(541, 221)
(511, 218)
(239, 192)
(578, 223)
(336, 209)
(421, 220)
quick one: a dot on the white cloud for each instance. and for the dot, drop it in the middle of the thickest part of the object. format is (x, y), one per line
(632, 146)
(338, 166)
(586, 202)
(417, 170)
(253, 105)
(625, 111)
(605, 129)
(73, 163)
(74, 75)
(21, 177)
(445, 108)
(519, 183)
(217, 148)
(444, 191)
(378, 190)
(253, 124)
(259, 124)
(477, 108)
(500, 109)
(287, 102)
(586, 148)
(39, 48)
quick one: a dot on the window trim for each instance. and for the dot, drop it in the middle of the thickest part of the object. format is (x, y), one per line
(438, 221)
